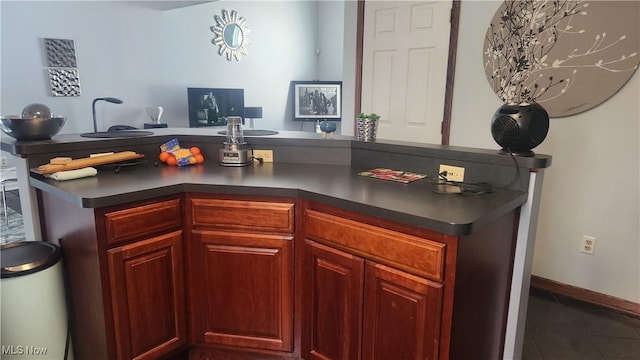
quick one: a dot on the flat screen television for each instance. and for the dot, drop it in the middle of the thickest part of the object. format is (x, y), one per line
(212, 106)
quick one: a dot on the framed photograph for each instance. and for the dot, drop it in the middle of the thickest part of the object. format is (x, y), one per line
(212, 106)
(317, 100)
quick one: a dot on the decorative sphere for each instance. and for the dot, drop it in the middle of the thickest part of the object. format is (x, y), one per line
(327, 126)
(518, 128)
(36, 111)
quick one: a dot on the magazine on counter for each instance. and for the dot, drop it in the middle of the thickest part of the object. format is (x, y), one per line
(404, 177)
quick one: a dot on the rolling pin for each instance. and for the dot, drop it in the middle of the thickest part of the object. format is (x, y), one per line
(86, 162)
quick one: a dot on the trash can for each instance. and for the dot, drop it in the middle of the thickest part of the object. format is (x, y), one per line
(34, 307)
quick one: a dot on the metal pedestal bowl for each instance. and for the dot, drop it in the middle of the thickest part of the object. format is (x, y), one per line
(31, 129)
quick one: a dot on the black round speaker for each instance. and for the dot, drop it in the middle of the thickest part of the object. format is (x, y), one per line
(518, 128)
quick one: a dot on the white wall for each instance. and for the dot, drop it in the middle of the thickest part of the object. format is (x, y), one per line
(120, 54)
(283, 43)
(98, 30)
(593, 185)
(149, 58)
(349, 67)
(331, 23)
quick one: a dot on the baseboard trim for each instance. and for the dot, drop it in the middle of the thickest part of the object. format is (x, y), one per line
(611, 302)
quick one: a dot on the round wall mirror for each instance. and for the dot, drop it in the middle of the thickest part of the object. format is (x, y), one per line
(231, 35)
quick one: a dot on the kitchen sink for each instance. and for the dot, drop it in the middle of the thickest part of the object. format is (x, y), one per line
(117, 134)
(253, 132)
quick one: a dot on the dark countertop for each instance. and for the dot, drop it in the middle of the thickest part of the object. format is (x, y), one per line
(65, 143)
(211, 135)
(307, 166)
(338, 185)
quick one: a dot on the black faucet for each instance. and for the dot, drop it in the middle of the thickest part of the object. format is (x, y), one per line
(93, 107)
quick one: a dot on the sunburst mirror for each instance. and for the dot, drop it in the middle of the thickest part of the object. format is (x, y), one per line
(231, 35)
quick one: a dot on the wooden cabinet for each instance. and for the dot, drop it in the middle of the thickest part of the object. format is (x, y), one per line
(360, 309)
(332, 303)
(402, 315)
(373, 288)
(249, 277)
(138, 222)
(126, 273)
(146, 276)
(241, 273)
(147, 292)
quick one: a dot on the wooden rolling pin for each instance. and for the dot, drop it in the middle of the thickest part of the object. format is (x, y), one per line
(86, 162)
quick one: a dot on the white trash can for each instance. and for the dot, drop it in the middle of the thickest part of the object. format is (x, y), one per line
(34, 309)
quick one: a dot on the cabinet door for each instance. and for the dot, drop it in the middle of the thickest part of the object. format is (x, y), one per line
(402, 315)
(147, 292)
(243, 289)
(332, 318)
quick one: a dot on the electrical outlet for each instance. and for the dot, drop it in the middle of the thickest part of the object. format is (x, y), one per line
(266, 155)
(4, 161)
(454, 173)
(588, 245)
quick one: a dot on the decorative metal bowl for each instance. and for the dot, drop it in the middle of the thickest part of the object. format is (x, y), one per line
(33, 128)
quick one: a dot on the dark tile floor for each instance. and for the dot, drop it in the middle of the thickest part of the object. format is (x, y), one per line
(562, 328)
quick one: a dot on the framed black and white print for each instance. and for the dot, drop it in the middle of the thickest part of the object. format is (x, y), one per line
(316, 100)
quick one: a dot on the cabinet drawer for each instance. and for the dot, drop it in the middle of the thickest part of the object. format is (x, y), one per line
(411, 253)
(242, 215)
(142, 221)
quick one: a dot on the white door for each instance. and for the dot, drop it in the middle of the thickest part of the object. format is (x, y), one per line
(404, 67)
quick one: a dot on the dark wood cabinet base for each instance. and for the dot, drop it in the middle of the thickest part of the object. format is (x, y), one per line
(282, 278)
(207, 353)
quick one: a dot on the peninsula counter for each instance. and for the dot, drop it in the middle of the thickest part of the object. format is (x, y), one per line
(484, 242)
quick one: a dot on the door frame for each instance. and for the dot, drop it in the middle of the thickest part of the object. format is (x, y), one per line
(451, 66)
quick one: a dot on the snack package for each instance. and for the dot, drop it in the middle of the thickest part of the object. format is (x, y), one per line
(183, 156)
